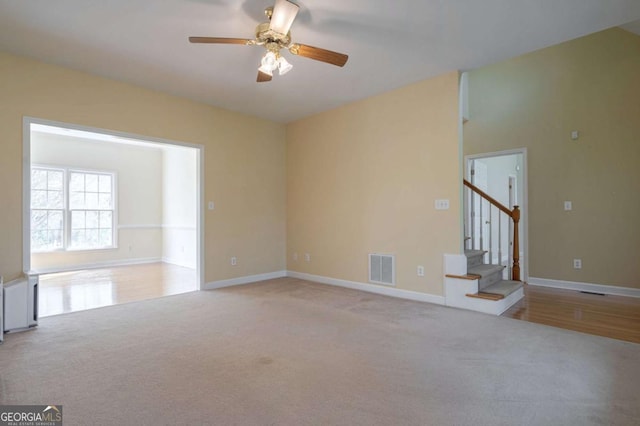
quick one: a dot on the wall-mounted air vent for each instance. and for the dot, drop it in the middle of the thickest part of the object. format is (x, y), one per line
(382, 269)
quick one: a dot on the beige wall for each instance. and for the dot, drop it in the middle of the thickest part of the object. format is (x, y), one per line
(591, 85)
(139, 196)
(244, 158)
(363, 179)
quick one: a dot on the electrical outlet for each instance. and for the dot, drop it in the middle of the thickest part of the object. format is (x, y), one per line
(577, 263)
(421, 271)
(234, 261)
(295, 257)
(307, 257)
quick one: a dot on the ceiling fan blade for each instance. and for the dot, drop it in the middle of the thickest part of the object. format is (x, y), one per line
(324, 55)
(220, 40)
(262, 77)
(284, 12)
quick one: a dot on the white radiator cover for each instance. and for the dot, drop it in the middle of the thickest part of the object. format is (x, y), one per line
(1, 310)
(21, 304)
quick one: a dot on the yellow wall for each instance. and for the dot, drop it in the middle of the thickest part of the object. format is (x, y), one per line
(363, 179)
(592, 85)
(244, 158)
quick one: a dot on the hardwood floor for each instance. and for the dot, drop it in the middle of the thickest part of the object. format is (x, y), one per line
(92, 288)
(610, 316)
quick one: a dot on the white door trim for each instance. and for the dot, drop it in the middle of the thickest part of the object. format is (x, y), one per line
(525, 197)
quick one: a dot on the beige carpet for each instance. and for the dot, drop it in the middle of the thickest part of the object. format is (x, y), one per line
(289, 352)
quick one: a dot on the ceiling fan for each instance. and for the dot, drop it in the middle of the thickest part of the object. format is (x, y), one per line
(274, 36)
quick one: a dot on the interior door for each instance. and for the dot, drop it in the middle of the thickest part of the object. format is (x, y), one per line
(503, 177)
(480, 208)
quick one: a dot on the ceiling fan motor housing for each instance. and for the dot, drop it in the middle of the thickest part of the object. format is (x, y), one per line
(265, 36)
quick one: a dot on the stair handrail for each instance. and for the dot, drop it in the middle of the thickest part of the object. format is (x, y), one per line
(514, 215)
(488, 197)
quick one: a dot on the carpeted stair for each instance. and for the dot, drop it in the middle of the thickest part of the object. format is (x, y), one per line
(491, 284)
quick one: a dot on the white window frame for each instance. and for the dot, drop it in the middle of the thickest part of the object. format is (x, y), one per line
(67, 210)
(63, 209)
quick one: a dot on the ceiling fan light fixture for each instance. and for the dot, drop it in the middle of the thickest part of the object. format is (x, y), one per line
(284, 66)
(266, 70)
(284, 12)
(274, 36)
(269, 61)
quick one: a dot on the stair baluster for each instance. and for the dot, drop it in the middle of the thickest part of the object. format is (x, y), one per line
(499, 238)
(481, 225)
(513, 215)
(489, 222)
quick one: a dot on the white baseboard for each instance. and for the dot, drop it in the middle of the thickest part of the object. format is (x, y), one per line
(243, 280)
(370, 288)
(578, 286)
(190, 265)
(96, 265)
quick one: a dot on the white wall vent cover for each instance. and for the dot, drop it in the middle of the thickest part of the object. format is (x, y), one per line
(382, 269)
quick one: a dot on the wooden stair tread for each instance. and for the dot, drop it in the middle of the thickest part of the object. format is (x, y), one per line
(469, 277)
(487, 296)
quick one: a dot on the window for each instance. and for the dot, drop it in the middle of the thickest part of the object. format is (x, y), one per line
(47, 209)
(71, 209)
(91, 208)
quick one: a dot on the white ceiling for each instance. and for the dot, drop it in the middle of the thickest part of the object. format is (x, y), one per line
(390, 43)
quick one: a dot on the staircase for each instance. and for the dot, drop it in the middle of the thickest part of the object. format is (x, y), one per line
(491, 285)
(472, 284)
(472, 281)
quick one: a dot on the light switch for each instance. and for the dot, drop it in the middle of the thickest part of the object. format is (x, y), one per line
(568, 206)
(442, 204)
(210, 206)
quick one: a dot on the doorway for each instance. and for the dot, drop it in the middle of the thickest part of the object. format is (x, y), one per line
(101, 206)
(503, 176)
